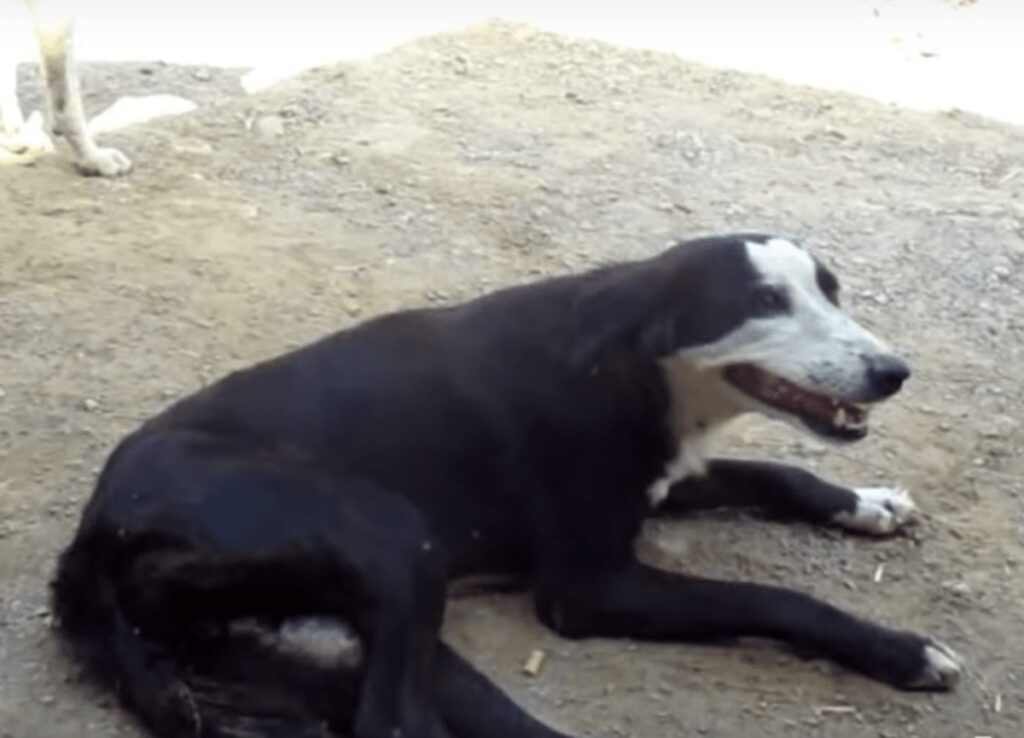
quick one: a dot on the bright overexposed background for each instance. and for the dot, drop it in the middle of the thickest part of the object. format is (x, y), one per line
(927, 54)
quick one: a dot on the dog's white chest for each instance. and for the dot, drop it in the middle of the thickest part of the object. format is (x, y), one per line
(690, 460)
(699, 405)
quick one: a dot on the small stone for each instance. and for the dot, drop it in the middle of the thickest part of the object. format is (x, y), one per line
(90, 405)
(268, 126)
(960, 589)
(195, 146)
(1001, 426)
(202, 75)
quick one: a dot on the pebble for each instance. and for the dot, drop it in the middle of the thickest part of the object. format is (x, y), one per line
(268, 126)
(960, 589)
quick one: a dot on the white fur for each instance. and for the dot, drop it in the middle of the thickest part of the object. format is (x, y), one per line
(815, 345)
(701, 403)
(943, 667)
(689, 461)
(880, 511)
(325, 641)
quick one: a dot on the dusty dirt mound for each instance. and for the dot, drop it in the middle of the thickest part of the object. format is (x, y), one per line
(484, 158)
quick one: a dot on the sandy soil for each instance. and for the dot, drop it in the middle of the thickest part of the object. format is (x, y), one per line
(464, 162)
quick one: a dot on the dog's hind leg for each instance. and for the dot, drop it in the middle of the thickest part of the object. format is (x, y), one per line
(198, 531)
(55, 35)
(788, 492)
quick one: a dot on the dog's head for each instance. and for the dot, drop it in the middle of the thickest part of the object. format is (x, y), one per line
(757, 318)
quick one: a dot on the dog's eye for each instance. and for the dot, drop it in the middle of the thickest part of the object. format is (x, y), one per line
(770, 301)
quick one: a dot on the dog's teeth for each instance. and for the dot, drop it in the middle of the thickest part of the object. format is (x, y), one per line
(839, 418)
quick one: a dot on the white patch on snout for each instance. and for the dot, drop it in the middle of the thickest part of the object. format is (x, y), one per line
(880, 511)
(813, 344)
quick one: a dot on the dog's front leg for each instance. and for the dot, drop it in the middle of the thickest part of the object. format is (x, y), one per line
(641, 602)
(54, 33)
(783, 491)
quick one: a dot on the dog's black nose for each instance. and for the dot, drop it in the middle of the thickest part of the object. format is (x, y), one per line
(886, 374)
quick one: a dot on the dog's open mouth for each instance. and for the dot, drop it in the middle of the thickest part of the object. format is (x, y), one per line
(829, 416)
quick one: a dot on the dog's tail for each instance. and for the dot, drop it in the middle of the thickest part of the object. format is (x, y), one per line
(234, 689)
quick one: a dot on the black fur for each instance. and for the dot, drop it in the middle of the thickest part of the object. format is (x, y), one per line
(355, 478)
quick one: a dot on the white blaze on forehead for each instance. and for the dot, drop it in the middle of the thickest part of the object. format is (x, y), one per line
(783, 262)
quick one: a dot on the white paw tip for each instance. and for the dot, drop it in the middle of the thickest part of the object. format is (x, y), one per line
(942, 669)
(880, 510)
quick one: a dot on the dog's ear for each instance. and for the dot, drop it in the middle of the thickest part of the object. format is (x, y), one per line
(619, 316)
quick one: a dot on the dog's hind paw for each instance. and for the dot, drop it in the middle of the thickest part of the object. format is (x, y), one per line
(880, 511)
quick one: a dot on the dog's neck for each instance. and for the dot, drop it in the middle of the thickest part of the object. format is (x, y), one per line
(699, 404)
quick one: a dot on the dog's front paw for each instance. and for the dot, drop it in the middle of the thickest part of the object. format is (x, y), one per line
(879, 511)
(105, 162)
(941, 670)
(911, 661)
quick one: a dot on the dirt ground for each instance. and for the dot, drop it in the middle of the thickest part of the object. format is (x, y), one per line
(463, 162)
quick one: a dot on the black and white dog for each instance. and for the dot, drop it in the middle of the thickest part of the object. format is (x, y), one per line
(528, 433)
(54, 26)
